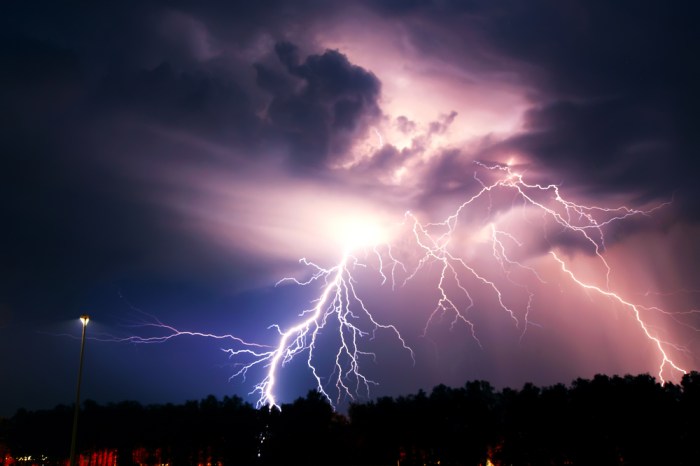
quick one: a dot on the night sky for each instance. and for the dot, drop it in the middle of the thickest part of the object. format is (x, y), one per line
(170, 162)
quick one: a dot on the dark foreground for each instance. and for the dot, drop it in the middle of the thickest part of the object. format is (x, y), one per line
(631, 420)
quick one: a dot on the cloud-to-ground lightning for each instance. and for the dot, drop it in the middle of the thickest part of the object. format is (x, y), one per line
(339, 301)
(462, 280)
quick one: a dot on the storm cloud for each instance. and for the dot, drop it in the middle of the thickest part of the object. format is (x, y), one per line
(193, 152)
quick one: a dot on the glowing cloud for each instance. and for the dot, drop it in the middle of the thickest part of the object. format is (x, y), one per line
(489, 278)
(358, 231)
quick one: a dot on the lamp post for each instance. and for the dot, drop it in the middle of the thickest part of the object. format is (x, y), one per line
(84, 319)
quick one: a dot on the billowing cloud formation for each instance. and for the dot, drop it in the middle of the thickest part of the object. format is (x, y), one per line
(207, 146)
(612, 85)
(320, 113)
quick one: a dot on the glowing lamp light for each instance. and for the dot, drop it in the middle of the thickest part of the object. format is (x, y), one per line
(84, 319)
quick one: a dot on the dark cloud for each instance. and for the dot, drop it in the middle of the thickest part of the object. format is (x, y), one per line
(598, 48)
(405, 125)
(441, 125)
(334, 102)
(617, 79)
(401, 7)
(617, 144)
(72, 219)
(381, 162)
(613, 85)
(289, 56)
(102, 105)
(204, 102)
(613, 89)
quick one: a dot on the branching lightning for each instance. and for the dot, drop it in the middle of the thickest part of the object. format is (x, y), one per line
(587, 222)
(636, 311)
(339, 302)
(340, 310)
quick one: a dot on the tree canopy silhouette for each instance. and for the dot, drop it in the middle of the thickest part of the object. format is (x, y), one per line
(602, 421)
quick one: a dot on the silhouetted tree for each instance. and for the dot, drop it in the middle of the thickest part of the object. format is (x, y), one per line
(304, 432)
(44, 433)
(377, 431)
(688, 418)
(630, 420)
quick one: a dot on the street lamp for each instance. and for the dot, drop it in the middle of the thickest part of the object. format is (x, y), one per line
(84, 319)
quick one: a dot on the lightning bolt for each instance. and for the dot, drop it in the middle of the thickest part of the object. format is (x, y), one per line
(340, 303)
(339, 309)
(435, 239)
(586, 221)
(636, 311)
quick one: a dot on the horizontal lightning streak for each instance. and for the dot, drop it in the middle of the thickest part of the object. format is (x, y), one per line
(174, 333)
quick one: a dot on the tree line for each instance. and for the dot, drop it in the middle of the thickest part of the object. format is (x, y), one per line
(630, 420)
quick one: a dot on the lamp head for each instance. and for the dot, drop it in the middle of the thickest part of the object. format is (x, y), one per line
(85, 319)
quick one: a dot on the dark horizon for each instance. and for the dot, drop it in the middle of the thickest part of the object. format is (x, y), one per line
(341, 409)
(603, 420)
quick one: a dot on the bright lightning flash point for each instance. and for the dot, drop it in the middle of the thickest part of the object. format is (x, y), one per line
(338, 309)
(462, 280)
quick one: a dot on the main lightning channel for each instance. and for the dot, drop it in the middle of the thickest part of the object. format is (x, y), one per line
(338, 302)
